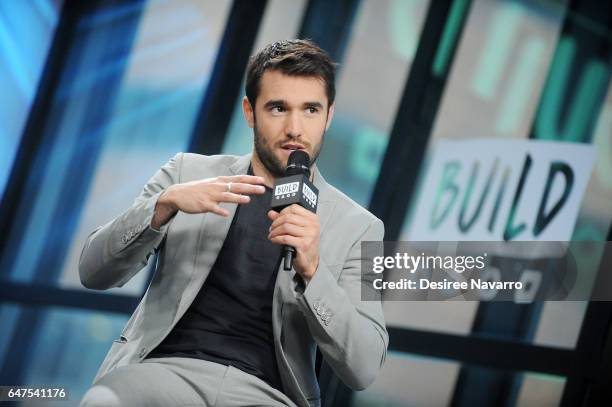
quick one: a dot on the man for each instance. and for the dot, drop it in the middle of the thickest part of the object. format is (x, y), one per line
(222, 323)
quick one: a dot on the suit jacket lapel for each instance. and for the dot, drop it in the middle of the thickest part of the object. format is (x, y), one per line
(211, 235)
(241, 166)
(215, 227)
(283, 291)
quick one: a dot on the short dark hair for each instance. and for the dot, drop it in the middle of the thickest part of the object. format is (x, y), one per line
(291, 57)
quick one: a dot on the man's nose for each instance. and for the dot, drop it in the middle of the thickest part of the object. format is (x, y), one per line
(294, 127)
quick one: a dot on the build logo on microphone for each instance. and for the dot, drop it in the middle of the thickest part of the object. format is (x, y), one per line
(288, 189)
(309, 195)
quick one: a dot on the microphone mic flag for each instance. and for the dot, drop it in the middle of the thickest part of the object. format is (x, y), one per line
(294, 188)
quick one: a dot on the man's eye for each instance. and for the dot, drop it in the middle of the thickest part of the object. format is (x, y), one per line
(278, 109)
(312, 110)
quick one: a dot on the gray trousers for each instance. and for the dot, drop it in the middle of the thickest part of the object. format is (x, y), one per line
(176, 381)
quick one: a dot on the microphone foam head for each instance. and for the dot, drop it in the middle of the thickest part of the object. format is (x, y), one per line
(298, 163)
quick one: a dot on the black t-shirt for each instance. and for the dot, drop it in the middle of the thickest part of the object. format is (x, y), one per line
(230, 320)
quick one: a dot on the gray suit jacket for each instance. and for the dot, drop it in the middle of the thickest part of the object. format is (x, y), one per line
(327, 313)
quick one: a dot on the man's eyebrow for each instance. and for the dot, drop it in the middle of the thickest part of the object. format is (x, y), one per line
(274, 102)
(313, 104)
(280, 102)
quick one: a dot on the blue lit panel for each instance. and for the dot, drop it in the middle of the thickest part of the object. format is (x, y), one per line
(69, 348)
(23, 50)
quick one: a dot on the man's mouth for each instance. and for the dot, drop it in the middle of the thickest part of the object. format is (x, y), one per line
(292, 147)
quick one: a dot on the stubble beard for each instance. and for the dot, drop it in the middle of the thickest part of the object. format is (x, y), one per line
(266, 154)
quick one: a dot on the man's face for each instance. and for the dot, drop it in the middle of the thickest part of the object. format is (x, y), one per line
(291, 113)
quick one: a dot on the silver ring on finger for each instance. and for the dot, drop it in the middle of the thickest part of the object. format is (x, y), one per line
(229, 187)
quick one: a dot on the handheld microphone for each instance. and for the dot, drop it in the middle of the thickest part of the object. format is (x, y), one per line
(294, 188)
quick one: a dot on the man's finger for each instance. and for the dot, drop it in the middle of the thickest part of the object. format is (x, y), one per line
(287, 239)
(245, 179)
(298, 210)
(273, 215)
(242, 188)
(291, 218)
(234, 198)
(288, 229)
(219, 210)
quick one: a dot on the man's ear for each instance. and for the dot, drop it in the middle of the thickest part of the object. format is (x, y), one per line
(247, 110)
(330, 116)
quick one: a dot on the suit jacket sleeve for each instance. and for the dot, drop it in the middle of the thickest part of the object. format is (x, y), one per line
(350, 333)
(115, 252)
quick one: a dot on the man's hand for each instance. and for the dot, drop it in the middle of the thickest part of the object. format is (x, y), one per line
(205, 196)
(298, 227)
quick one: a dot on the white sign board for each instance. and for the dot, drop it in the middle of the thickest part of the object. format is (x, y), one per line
(483, 190)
